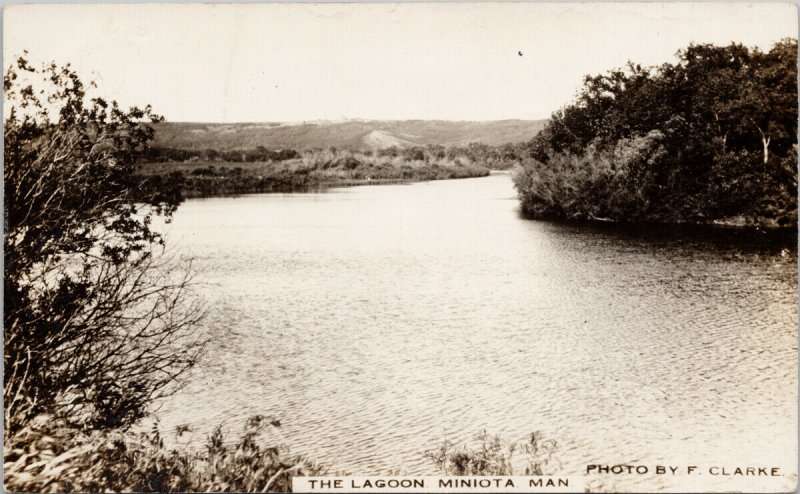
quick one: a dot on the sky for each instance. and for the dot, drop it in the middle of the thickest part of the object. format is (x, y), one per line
(302, 62)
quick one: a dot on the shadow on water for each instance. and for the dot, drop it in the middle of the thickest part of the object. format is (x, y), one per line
(683, 236)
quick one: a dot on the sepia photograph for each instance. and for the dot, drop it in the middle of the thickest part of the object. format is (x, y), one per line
(400, 247)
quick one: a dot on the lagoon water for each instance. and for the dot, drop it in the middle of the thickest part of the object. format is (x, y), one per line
(376, 321)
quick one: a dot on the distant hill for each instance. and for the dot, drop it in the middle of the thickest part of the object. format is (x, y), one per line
(349, 134)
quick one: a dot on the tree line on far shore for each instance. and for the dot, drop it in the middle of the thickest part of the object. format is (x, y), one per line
(208, 172)
(711, 137)
(493, 157)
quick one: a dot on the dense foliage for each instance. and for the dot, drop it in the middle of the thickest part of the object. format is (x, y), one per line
(279, 170)
(316, 169)
(712, 137)
(259, 153)
(48, 456)
(493, 157)
(500, 157)
(96, 324)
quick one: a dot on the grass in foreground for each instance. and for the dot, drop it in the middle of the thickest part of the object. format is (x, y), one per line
(48, 456)
(493, 455)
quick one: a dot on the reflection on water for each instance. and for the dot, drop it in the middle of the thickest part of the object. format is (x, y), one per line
(377, 321)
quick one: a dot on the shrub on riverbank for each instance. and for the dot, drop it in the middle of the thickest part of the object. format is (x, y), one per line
(495, 456)
(49, 456)
(711, 138)
(257, 154)
(97, 322)
(317, 168)
(494, 157)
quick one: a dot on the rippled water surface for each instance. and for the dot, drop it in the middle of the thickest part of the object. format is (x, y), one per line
(375, 322)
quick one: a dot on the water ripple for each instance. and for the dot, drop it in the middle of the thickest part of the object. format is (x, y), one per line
(380, 320)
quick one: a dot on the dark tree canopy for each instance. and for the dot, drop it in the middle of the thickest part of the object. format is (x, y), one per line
(711, 136)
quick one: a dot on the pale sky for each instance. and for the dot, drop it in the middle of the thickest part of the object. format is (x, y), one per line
(296, 62)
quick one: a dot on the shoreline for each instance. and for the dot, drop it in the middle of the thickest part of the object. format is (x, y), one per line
(735, 224)
(285, 185)
(323, 187)
(204, 180)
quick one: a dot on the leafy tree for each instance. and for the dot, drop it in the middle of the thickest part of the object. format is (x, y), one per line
(97, 322)
(712, 111)
(767, 97)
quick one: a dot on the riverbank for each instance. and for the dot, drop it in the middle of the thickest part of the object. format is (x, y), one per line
(314, 171)
(735, 224)
(124, 461)
(597, 187)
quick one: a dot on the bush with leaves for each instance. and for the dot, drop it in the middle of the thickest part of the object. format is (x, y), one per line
(97, 322)
(47, 455)
(611, 184)
(495, 456)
